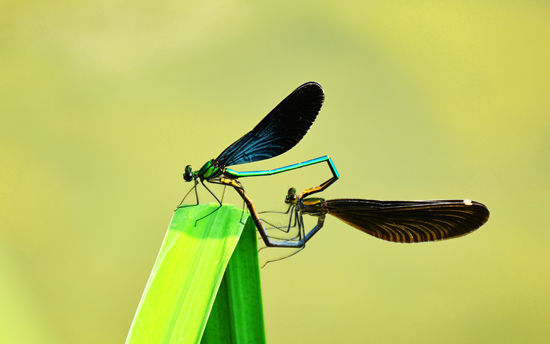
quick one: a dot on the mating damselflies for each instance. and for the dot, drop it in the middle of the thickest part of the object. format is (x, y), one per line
(278, 132)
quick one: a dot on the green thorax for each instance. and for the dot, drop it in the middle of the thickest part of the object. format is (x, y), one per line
(210, 170)
(315, 206)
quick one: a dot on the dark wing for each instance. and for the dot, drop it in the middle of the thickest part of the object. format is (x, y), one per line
(280, 130)
(410, 221)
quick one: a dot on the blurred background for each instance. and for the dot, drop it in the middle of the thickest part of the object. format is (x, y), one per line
(103, 103)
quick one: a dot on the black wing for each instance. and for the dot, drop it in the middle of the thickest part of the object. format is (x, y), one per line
(280, 130)
(411, 221)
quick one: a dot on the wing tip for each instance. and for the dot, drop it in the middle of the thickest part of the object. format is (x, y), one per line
(481, 210)
(312, 86)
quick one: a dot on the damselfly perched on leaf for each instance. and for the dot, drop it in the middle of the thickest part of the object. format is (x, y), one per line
(278, 132)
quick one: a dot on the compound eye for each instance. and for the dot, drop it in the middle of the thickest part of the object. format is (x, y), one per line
(291, 198)
(188, 174)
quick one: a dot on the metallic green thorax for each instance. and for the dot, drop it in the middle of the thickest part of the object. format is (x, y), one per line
(314, 206)
(209, 170)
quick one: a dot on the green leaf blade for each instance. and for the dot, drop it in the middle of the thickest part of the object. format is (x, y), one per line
(237, 315)
(186, 276)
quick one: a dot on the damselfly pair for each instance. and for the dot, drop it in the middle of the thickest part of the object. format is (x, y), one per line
(282, 129)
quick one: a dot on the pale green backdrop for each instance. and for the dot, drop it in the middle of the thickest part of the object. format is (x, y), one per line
(103, 103)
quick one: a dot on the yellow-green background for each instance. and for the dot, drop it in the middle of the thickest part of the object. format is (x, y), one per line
(103, 103)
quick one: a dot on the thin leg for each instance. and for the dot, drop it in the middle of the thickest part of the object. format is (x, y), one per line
(276, 212)
(304, 238)
(217, 181)
(285, 229)
(213, 211)
(194, 187)
(206, 187)
(301, 242)
(254, 214)
(223, 192)
(274, 227)
(196, 192)
(292, 224)
(285, 257)
(291, 242)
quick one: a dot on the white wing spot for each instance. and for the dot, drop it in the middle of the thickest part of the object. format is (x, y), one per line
(468, 201)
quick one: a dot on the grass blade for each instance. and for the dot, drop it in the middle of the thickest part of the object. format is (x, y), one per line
(237, 315)
(181, 289)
